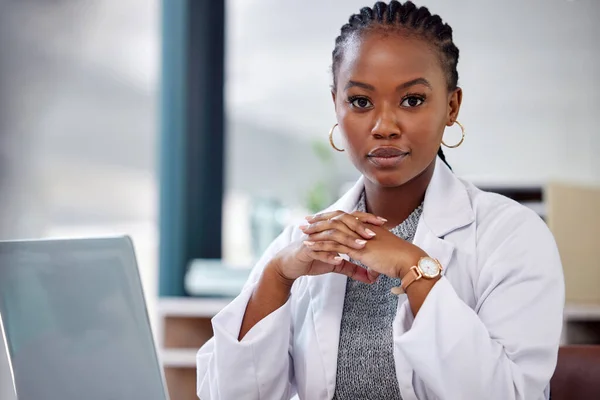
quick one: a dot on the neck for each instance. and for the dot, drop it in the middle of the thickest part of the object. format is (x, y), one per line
(396, 203)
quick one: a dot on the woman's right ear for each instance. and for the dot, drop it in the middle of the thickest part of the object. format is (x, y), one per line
(333, 97)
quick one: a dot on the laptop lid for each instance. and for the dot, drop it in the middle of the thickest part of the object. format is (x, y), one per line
(75, 323)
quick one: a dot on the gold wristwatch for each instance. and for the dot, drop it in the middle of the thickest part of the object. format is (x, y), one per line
(427, 267)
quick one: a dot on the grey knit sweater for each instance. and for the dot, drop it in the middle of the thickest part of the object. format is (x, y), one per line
(365, 367)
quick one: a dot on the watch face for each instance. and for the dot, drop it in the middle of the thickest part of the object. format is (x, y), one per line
(429, 267)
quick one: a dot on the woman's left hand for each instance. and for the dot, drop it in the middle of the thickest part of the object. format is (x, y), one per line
(384, 253)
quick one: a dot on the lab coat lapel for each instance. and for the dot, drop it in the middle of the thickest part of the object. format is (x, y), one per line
(327, 299)
(435, 247)
(446, 208)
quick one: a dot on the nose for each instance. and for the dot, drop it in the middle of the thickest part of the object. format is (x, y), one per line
(386, 126)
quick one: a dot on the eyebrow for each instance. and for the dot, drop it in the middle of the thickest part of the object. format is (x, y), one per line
(366, 86)
(418, 81)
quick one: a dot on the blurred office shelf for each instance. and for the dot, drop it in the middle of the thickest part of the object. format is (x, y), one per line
(191, 307)
(184, 311)
(528, 194)
(581, 324)
(183, 326)
(214, 278)
(582, 312)
(179, 358)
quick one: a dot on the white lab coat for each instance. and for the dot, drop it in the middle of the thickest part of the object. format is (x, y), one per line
(489, 329)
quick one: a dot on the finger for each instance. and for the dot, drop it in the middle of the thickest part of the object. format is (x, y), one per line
(373, 275)
(341, 266)
(333, 259)
(349, 240)
(329, 225)
(331, 247)
(362, 216)
(355, 224)
(369, 218)
(353, 271)
(344, 222)
(323, 216)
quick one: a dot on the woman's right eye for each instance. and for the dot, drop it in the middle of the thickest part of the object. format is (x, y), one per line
(360, 102)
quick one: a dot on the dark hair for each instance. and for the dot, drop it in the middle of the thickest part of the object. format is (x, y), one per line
(406, 19)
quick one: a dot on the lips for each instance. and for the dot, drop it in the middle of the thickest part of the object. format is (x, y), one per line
(387, 157)
(386, 152)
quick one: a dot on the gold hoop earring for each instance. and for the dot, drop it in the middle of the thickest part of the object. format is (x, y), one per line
(462, 139)
(331, 139)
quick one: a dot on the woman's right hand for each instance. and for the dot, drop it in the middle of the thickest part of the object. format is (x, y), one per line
(274, 287)
(297, 259)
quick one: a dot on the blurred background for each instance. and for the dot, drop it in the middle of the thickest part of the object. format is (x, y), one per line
(102, 103)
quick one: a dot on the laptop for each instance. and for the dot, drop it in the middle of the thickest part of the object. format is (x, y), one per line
(74, 324)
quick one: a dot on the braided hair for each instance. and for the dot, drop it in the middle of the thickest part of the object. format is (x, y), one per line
(406, 19)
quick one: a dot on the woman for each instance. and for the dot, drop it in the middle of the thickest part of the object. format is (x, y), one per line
(415, 284)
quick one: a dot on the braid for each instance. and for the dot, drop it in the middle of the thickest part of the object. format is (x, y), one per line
(380, 9)
(442, 157)
(405, 18)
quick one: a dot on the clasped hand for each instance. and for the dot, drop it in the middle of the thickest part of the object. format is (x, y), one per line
(362, 237)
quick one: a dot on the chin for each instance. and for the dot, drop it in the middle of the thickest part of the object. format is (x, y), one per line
(387, 178)
(395, 176)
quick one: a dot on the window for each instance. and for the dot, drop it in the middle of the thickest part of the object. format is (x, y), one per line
(279, 111)
(82, 82)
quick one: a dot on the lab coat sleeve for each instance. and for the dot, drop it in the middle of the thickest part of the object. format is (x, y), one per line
(506, 348)
(259, 365)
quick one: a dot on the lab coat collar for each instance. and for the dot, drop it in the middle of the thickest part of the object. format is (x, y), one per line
(447, 206)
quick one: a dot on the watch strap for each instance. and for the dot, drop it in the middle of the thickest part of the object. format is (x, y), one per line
(413, 275)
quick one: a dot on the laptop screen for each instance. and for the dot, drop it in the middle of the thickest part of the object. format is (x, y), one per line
(75, 321)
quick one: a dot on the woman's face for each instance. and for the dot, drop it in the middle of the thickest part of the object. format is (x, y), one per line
(392, 105)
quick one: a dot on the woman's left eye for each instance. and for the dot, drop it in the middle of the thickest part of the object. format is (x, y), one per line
(412, 101)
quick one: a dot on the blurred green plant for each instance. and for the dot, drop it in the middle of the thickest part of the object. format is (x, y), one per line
(319, 195)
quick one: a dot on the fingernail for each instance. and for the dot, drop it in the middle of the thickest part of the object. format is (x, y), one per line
(382, 219)
(303, 227)
(309, 217)
(338, 258)
(361, 242)
(308, 243)
(369, 232)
